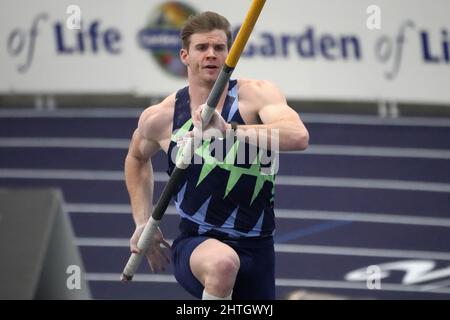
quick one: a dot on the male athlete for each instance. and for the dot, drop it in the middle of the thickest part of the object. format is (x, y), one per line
(225, 247)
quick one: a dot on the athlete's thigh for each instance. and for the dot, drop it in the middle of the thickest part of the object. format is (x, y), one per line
(182, 249)
(256, 276)
(208, 253)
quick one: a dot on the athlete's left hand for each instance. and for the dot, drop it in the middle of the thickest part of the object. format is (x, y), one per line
(217, 126)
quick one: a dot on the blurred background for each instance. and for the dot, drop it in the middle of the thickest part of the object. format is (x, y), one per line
(363, 213)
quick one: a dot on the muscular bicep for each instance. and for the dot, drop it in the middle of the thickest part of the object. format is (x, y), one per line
(269, 102)
(273, 113)
(152, 131)
(142, 148)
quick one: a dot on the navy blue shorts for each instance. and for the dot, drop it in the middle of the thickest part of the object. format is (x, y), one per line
(256, 276)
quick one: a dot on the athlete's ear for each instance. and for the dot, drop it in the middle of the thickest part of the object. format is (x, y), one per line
(184, 56)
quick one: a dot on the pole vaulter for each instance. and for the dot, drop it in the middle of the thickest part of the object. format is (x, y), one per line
(191, 145)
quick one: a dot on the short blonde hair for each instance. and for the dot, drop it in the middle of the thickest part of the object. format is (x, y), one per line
(205, 22)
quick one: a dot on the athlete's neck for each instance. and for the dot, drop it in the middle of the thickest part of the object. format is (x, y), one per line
(198, 94)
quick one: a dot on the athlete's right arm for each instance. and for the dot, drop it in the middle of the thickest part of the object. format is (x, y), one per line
(139, 181)
(138, 168)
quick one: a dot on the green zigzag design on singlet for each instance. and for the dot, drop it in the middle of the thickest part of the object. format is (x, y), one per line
(211, 162)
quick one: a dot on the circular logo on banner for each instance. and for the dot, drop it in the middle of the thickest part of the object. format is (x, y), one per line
(161, 36)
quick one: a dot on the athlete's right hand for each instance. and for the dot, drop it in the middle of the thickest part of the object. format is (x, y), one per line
(158, 256)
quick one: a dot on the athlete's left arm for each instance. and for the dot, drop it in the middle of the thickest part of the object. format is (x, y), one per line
(278, 120)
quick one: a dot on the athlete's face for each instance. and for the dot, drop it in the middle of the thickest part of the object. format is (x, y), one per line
(205, 56)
